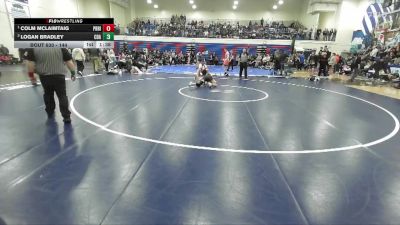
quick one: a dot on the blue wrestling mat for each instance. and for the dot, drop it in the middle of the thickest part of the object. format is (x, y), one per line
(215, 70)
(150, 149)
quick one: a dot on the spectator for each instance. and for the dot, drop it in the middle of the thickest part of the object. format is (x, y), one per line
(4, 50)
(374, 52)
(226, 61)
(355, 67)
(312, 62)
(301, 61)
(323, 64)
(105, 59)
(179, 27)
(232, 59)
(94, 54)
(279, 60)
(333, 62)
(79, 56)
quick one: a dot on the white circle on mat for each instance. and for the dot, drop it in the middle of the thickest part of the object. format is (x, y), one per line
(265, 96)
(244, 151)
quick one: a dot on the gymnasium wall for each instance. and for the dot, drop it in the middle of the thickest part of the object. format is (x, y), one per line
(308, 20)
(346, 19)
(218, 48)
(123, 14)
(334, 47)
(53, 8)
(349, 18)
(217, 9)
(69, 8)
(132, 9)
(327, 20)
(93, 8)
(5, 35)
(118, 13)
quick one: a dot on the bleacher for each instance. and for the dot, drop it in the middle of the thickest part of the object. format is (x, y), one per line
(180, 26)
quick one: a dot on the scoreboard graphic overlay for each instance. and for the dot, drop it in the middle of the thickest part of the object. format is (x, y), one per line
(64, 33)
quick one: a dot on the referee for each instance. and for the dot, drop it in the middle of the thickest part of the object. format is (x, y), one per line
(52, 64)
(243, 60)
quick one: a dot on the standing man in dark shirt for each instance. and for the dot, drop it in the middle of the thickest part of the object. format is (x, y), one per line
(317, 38)
(52, 64)
(279, 59)
(243, 60)
(380, 63)
(323, 64)
(233, 59)
(328, 53)
(355, 67)
(312, 62)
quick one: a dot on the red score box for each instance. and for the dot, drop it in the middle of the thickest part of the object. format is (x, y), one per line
(108, 27)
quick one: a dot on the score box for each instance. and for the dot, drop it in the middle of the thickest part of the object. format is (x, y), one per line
(108, 27)
(108, 36)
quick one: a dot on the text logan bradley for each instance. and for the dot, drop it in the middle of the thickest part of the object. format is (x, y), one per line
(41, 37)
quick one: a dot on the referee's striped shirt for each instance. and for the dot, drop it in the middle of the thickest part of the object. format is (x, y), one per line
(49, 61)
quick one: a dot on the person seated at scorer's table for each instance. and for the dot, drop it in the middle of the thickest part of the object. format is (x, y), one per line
(204, 77)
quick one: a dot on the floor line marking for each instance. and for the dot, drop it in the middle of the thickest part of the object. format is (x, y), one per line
(248, 151)
(148, 99)
(49, 161)
(144, 161)
(278, 167)
(225, 101)
(18, 85)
